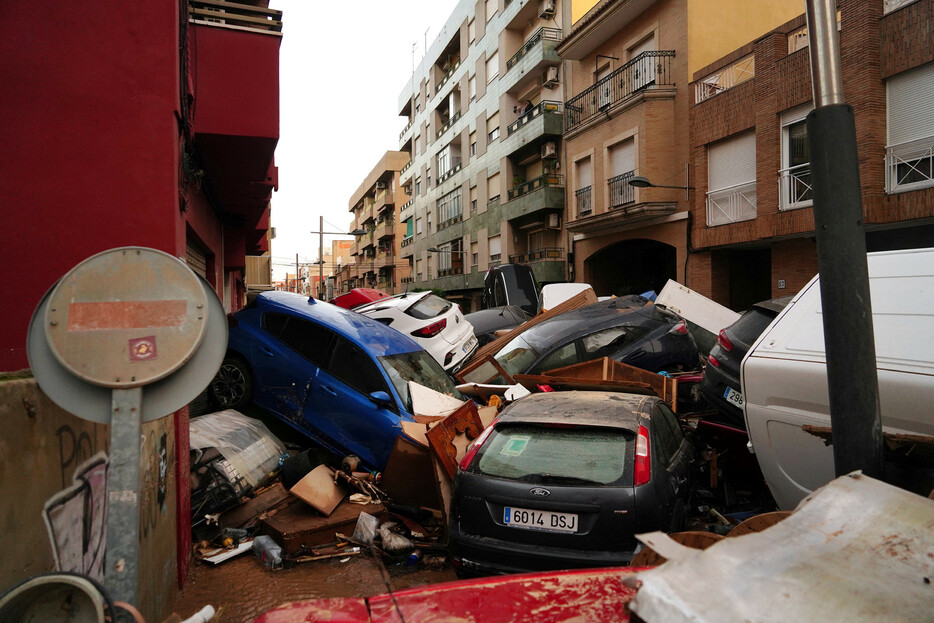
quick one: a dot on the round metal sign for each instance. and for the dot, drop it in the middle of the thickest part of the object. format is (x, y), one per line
(126, 317)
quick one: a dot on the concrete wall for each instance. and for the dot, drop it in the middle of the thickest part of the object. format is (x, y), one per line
(53, 495)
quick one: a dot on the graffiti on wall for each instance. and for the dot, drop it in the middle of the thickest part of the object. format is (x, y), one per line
(76, 519)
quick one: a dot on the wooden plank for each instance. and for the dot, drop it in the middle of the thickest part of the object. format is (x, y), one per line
(584, 298)
(319, 490)
(299, 528)
(449, 438)
(248, 511)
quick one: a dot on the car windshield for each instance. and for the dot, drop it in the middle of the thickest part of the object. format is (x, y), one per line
(420, 367)
(517, 356)
(428, 307)
(751, 324)
(556, 455)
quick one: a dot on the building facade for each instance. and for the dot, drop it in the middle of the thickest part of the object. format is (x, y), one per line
(753, 225)
(119, 130)
(483, 135)
(379, 232)
(626, 129)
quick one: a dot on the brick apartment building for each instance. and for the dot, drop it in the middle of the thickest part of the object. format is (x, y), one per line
(752, 233)
(376, 249)
(627, 117)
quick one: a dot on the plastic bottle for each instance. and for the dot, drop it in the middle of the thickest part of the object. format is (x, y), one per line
(268, 551)
(413, 558)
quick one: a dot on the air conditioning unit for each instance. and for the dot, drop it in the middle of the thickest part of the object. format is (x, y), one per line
(380, 184)
(546, 9)
(549, 150)
(554, 220)
(550, 77)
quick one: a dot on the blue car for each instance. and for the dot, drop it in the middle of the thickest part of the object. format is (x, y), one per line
(337, 376)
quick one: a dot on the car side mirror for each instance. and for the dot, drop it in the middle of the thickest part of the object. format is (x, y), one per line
(382, 399)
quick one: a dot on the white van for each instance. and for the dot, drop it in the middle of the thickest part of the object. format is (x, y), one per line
(784, 375)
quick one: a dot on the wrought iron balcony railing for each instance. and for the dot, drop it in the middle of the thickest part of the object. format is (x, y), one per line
(444, 128)
(648, 69)
(621, 191)
(583, 202)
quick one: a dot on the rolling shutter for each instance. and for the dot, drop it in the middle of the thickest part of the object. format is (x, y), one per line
(911, 105)
(731, 162)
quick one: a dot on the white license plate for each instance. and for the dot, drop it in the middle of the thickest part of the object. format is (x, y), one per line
(539, 520)
(733, 397)
(469, 345)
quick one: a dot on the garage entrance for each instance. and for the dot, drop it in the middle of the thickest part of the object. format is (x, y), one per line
(631, 267)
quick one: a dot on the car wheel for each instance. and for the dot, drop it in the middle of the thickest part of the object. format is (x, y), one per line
(232, 387)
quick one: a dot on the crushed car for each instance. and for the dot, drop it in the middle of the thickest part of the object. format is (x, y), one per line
(436, 324)
(566, 480)
(337, 376)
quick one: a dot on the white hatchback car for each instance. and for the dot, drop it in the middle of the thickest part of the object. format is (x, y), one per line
(437, 325)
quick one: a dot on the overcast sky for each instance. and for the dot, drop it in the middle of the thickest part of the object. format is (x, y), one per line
(342, 66)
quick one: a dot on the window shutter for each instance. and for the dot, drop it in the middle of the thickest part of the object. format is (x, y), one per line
(911, 105)
(584, 173)
(495, 248)
(623, 158)
(731, 162)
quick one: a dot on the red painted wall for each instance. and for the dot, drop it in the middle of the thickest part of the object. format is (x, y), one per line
(90, 142)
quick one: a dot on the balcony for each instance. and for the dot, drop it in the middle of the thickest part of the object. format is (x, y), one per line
(529, 64)
(621, 192)
(457, 218)
(547, 197)
(732, 204)
(385, 228)
(909, 166)
(407, 127)
(541, 181)
(794, 187)
(583, 202)
(738, 72)
(649, 69)
(384, 200)
(237, 60)
(447, 76)
(456, 165)
(548, 263)
(447, 126)
(384, 260)
(545, 107)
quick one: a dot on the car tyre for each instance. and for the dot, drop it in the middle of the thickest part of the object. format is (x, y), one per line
(232, 387)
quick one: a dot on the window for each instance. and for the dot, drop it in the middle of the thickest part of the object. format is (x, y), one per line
(608, 342)
(418, 227)
(795, 175)
(428, 307)
(311, 341)
(496, 253)
(474, 255)
(473, 143)
(731, 180)
(492, 67)
(472, 31)
(665, 425)
(492, 187)
(622, 164)
(492, 127)
(351, 365)
(418, 185)
(490, 9)
(643, 71)
(909, 154)
(450, 206)
(472, 87)
(583, 173)
(564, 356)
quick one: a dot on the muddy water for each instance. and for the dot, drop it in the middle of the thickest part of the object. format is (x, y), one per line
(241, 588)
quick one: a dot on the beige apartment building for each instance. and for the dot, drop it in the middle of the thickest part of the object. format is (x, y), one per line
(375, 254)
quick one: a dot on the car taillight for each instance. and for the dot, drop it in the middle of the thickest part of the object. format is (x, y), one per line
(724, 341)
(681, 329)
(448, 358)
(431, 330)
(643, 460)
(713, 361)
(475, 446)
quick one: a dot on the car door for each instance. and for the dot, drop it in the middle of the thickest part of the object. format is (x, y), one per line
(675, 459)
(287, 354)
(339, 404)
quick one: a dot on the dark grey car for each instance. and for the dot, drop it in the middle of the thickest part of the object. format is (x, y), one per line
(565, 480)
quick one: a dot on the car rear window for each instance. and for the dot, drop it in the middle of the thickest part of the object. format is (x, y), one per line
(584, 455)
(428, 307)
(751, 324)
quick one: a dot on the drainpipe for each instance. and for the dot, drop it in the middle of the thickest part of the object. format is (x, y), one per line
(841, 256)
